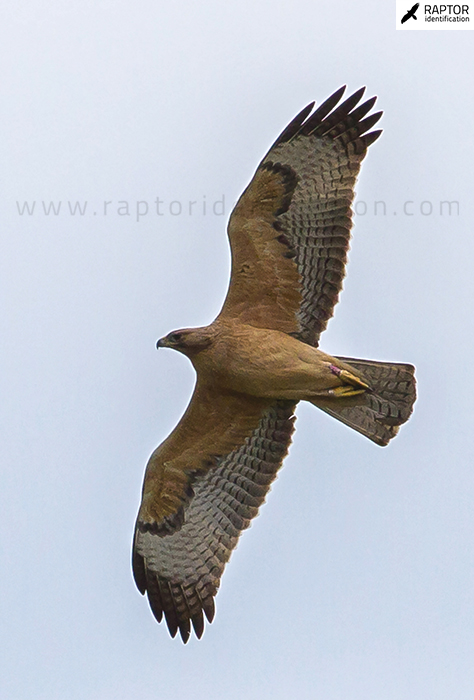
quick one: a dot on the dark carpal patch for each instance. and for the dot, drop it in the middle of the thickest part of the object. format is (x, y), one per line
(289, 179)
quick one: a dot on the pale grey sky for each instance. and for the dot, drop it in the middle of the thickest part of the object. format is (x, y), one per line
(356, 581)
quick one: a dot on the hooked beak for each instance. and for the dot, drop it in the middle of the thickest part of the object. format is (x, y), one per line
(161, 343)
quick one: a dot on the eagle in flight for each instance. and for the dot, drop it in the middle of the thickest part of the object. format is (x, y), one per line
(289, 235)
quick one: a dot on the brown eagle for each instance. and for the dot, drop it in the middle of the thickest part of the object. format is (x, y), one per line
(289, 234)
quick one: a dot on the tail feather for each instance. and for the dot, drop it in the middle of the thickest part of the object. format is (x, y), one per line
(378, 413)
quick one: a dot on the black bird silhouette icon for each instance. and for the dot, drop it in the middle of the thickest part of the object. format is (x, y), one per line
(411, 13)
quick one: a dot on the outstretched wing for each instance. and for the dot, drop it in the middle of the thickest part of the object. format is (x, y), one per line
(180, 569)
(214, 423)
(289, 232)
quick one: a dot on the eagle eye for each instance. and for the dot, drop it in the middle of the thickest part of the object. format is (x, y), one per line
(175, 337)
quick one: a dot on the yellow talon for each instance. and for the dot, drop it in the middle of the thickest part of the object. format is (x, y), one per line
(352, 379)
(344, 391)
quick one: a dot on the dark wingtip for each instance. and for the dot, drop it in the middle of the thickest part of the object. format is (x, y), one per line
(369, 122)
(326, 106)
(322, 111)
(185, 630)
(359, 112)
(339, 117)
(171, 623)
(348, 104)
(368, 139)
(358, 94)
(209, 608)
(368, 104)
(304, 112)
(198, 624)
(138, 570)
(327, 116)
(294, 126)
(155, 601)
(333, 99)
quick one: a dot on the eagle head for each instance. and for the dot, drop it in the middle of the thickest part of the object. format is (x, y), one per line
(189, 341)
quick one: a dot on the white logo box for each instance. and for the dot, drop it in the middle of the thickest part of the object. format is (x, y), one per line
(434, 16)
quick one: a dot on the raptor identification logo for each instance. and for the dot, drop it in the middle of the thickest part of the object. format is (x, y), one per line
(415, 16)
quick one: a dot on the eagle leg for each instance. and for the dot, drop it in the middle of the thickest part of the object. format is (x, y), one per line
(348, 378)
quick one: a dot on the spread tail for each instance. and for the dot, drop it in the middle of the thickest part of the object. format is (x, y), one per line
(379, 412)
